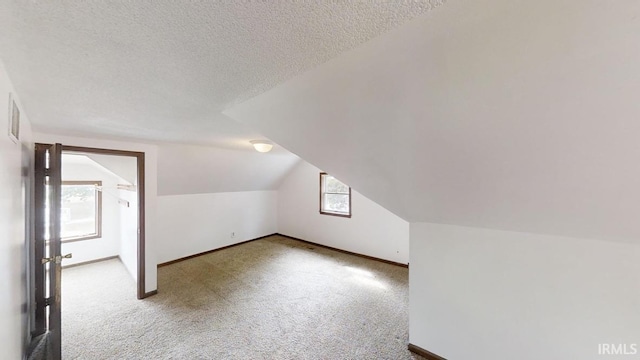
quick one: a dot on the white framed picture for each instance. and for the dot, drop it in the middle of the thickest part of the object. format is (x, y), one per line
(14, 120)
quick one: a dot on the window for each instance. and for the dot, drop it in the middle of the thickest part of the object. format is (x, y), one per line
(335, 197)
(81, 215)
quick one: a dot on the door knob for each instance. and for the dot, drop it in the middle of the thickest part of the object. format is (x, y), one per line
(57, 259)
(60, 257)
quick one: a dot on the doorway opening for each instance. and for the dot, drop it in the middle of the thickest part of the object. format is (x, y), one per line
(98, 209)
(70, 216)
(128, 196)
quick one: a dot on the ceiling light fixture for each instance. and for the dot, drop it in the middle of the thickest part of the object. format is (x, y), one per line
(262, 146)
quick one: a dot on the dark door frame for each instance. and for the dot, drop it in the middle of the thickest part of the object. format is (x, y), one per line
(45, 341)
(141, 206)
(47, 261)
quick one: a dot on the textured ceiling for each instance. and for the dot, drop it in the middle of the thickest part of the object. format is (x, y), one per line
(164, 70)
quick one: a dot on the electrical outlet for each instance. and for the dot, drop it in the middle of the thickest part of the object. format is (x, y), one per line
(233, 234)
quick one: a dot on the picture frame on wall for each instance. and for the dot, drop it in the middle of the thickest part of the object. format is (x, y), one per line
(14, 120)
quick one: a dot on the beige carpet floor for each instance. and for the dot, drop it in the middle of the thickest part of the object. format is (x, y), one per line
(273, 298)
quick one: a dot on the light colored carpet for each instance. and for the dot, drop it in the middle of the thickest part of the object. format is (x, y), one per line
(273, 298)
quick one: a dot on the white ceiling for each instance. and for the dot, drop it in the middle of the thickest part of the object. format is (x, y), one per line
(75, 159)
(164, 70)
(512, 115)
(121, 167)
(184, 169)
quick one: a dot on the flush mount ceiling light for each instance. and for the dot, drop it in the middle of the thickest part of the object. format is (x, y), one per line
(262, 146)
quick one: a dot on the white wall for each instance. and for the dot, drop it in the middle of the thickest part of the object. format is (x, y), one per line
(109, 244)
(126, 170)
(16, 165)
(151, 190)
(486, 294)
(194, 223)
(371, 230)
(128, 231)
(206, 193)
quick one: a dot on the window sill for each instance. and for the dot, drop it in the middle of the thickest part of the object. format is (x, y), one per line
(90, 237)
(335, 214)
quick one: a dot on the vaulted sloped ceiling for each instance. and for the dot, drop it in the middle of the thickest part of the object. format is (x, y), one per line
(189, 169)
(164, 70)
(514, 115)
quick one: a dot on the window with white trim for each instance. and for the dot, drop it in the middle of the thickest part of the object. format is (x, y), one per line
(335, 196)
(81, 215)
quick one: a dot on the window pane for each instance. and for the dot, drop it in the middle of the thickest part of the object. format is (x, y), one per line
(333, 185)
(78, 211)
(336, 203)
